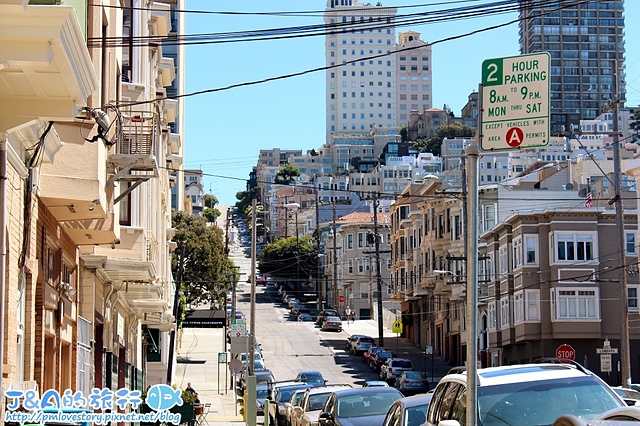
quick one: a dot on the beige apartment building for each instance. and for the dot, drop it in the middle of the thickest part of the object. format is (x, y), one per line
(86, 278)
(548, 272)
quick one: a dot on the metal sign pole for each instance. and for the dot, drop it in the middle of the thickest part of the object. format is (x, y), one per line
(473, 155)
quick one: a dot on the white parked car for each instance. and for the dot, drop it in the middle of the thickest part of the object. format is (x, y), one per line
(524, 395)
(307, 411)
(394, 367)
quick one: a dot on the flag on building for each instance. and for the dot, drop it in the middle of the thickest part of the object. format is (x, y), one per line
(588, 201)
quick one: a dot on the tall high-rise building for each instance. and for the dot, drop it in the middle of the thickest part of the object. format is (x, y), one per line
(361, 93)
(584, 41)
(413, 62)
(373, 82)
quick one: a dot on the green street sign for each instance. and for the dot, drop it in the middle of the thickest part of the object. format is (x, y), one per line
(514, 102)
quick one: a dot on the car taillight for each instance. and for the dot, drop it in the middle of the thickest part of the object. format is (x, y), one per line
(390, 369)
(406, 381)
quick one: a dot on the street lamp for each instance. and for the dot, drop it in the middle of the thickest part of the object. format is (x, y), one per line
(295, 207)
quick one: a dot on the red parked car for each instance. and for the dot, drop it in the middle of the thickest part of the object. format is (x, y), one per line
(378, 359)
(369, 353)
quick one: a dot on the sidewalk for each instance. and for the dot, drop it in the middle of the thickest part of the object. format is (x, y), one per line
(198, 364)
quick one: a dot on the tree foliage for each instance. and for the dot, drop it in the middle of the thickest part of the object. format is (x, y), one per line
(245, 199)
(286, 257)
(453, 130)
(205, 276)
(287, 175)
(210, 200)
(210, 212)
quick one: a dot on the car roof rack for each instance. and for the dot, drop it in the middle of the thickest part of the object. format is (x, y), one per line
(555, 360)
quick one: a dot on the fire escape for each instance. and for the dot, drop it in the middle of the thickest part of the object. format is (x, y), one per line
(134, 160)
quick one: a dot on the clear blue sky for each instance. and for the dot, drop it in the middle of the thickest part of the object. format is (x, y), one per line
(225, 129)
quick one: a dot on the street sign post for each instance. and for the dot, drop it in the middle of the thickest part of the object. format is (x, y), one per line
(514, 102)
(566, 352)
(605, 363)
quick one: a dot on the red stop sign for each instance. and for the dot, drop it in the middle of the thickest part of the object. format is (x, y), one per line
(566, 351)
(341, 298)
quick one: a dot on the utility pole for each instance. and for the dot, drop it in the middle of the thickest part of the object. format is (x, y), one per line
(176, 314)
(378, 274)
(318, 291)
(625, 357)
(252, 323)
(226, 233)
(334, 290)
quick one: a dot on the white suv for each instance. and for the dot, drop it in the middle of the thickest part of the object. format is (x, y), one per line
(524, 395)
(394, 367)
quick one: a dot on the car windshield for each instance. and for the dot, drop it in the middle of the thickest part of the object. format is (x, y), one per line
(414, 375)
(264, 378)
(312, 378)
(627, 393)
(402, 363)
(284, 395)
(542, 402)
(262, 393)
(297, 397)
(316, 401)
(366, 405)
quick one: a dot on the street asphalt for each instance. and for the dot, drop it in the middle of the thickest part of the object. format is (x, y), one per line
(200, 348)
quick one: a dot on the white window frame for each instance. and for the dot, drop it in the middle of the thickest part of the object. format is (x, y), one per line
(571, 242)
(631, 242)
(525, 247)
(518, 307)
(517, 253)
(532, 305)
(582, 305)
(504, 313)
(633, 300)
(491, 316)
(503, 255)
(350, 241)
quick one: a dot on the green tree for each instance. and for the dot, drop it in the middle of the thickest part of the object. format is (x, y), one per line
(288, 259)
(210, 200)
(287, 175)
(210, 212)
(245, 199)
(206, 272)
(434, 143)
(404, 133)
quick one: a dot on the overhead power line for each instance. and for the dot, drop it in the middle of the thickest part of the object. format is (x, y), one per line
(352, 26)
(365, 58)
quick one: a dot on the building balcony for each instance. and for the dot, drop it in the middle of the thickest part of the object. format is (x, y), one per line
(160, 20)
(131, 266)
(134, 158)
(46, 73)
(74, 188)
(442, 287)
(458, 292)
(419, 289)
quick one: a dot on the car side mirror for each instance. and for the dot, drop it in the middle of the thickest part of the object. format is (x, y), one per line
(326, 416)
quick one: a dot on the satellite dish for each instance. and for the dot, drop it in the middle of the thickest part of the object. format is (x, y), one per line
(569, 186)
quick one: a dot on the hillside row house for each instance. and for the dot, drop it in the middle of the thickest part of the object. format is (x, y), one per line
(87, 139)
(548, 269)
